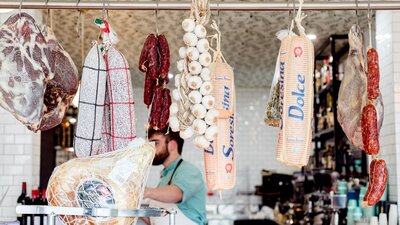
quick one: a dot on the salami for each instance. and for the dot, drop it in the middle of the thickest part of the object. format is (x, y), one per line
(370, 133)
(153, 59)
(373, 73)
(165, 109)
(377, 184)
(148, 90)
(156, 107)
(143, 62)
(164, 56)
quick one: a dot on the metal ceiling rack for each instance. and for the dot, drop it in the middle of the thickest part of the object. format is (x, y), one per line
(223, 6)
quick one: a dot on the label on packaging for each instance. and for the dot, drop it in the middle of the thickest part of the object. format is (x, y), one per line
(122, 170)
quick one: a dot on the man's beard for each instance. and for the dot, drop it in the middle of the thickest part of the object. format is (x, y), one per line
(160, 158)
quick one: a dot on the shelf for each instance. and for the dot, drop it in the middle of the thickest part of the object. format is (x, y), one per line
(329, 132)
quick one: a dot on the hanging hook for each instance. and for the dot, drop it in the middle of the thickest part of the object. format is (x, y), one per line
(20, 8)
(48, 13)
(156, 14)
(103, 12)
(218, 13)
(356, 12)
(369, 23)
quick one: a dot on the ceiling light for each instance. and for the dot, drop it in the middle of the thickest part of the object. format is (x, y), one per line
(312, 36)
(170, 75)
(6, 10)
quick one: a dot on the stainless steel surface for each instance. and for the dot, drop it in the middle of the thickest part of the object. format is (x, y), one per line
(53, 211)
(223, 6)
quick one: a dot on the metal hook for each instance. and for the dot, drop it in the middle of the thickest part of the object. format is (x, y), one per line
(20, 8)
(103, 12)
(357, 12)
(156, 14)
(369, 23)
(218, 13)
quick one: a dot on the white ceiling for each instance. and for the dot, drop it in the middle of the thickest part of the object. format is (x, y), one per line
(248, 41)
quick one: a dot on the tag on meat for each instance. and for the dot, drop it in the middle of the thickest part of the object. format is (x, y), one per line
(297, 98)
(112, 180)
(26, 65)
(61, 90)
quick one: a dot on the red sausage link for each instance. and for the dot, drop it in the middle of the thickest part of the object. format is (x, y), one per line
(165, 109)
(153, 60)
(371, 181)
(373, 73)
(164, 55)
(156, 107)
(148, 90)
(369, 127)
(379, 182)
(143, 59)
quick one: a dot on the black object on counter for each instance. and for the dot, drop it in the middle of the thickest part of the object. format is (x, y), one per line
(275, 186)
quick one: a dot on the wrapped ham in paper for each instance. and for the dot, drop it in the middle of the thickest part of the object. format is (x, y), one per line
(220, 158)
(112, 180)
(87, 139)
(26, 65)
(297, 98)
(61, 90)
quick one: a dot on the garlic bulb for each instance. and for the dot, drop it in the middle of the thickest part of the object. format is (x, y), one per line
(211, 117)
(192, 53)
(186, 133)
(211, 132)
(205, 59)
(203, 45)
(190, 39)
(200, 31)
(194, 82)
(199, 126)
(195, 97)
(174, 123)
(199, 111)
(173, 109)
(205, 74)
(180, 65)
(206, 88)
(176, 95)
(201, 142)
(195, 68)
(208, 101)
(177, 79)
(182, 52)
(188, 25)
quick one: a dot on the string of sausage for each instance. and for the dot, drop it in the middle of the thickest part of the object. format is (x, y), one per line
(370, 134)
(155, 62)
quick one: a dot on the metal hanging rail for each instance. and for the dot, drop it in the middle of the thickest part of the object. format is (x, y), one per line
(225, 6)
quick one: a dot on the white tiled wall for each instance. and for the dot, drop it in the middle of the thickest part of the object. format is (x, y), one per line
(19, 161)
(19, 154)
(388, 46)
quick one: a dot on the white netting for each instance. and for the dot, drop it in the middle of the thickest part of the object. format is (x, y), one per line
(112, 180)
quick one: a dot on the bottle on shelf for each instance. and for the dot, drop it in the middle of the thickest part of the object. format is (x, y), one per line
(21, 201)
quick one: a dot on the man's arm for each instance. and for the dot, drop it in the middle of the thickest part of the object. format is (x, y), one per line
(166, 194)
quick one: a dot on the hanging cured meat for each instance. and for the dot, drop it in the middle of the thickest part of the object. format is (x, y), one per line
(220, 158)
(26, 66)
(297, 97)
(61, 90)
(155, 62)
(377, 182)
(87, 139)
(112, 180)
(353, 93)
